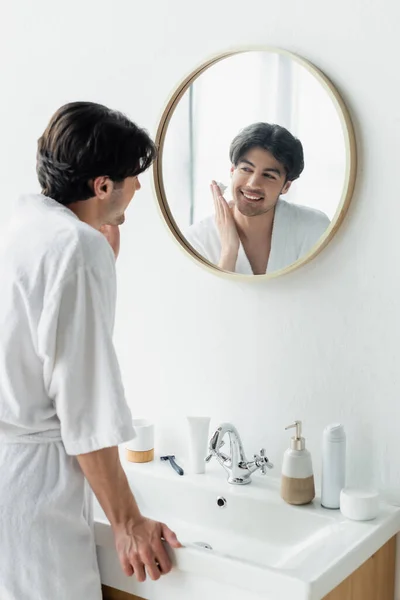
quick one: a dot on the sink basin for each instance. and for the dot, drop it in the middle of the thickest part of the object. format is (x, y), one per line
(254, 541)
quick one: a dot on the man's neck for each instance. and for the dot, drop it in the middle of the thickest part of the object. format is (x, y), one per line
(87, 211)
(254, 228)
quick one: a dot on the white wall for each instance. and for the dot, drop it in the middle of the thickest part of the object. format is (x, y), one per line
(320, 344)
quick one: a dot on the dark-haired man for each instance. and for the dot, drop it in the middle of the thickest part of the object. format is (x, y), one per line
(62, 406)
(259, 232)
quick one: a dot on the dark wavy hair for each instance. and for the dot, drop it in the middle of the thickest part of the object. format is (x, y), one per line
(85, 140)
(274, 139)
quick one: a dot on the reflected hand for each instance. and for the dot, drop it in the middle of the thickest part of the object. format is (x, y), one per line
(140, 548)
(111, 232)
(228, 233)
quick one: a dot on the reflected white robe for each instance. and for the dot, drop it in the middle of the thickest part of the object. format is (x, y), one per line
(295, 231)
(60, 395)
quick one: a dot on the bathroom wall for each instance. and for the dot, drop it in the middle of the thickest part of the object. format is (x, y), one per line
(321, 344)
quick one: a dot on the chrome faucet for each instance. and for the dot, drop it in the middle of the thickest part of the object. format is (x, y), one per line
(237, 466)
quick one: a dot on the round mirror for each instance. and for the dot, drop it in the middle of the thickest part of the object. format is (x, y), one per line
(257, 163)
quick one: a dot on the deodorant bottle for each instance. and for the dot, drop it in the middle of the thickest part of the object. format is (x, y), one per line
(333, 465)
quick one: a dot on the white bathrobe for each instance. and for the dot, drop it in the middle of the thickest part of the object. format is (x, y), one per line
(295, 231)
(60, 395)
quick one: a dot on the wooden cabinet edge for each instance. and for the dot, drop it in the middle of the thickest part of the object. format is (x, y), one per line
(110, 593)
(374, 580)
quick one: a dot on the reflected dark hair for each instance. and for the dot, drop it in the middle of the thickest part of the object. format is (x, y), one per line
(274, 139)
(85, 140)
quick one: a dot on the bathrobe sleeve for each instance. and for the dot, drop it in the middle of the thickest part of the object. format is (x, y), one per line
(81, 371)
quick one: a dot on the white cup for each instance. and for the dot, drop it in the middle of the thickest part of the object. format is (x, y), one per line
(144, 436)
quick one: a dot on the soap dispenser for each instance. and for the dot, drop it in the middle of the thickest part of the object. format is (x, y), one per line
(297, 484)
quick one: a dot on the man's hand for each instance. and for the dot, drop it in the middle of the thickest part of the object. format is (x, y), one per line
(111, 232)
(138, 540)
(140, 548)
(228, 233)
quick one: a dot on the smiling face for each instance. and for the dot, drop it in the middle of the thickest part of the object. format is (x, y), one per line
(257, 182)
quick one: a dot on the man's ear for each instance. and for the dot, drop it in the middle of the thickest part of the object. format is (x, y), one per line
(102, 186)
(286, 187)
(231, 170)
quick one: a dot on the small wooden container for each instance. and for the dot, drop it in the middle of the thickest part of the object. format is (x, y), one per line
(139, 457)
(141, 448)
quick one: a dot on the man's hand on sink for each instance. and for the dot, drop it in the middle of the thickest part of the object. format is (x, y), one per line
(138, 540)
(140, 548)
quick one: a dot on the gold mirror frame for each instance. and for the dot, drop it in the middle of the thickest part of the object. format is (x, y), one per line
(350, 174)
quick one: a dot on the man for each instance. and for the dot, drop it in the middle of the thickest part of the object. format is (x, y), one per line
(62, 405)
(259, 232)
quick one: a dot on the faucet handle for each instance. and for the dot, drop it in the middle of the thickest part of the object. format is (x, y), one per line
(213, 448)
(224, 457)
(214, 440)
(263, 462)
(215, 452)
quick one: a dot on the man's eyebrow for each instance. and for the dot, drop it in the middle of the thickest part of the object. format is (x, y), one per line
(270, 170)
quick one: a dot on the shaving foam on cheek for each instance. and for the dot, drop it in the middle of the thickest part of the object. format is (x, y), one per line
(222, 187)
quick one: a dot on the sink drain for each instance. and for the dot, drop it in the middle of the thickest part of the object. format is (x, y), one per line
(203, 545)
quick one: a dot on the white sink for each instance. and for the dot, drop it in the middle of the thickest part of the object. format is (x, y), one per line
(259, 543)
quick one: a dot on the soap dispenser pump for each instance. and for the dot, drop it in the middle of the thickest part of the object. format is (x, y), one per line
(297, 484)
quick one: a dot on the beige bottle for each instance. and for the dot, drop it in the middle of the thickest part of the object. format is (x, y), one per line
(297, 484)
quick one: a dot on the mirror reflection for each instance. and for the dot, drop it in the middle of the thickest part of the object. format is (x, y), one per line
(254, 162)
